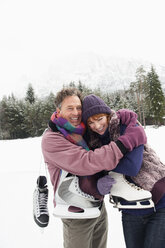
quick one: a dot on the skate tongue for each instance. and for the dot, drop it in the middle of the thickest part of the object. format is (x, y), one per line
(75, 209)
(41, 181)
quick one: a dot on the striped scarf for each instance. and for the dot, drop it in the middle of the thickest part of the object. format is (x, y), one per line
(71, 133)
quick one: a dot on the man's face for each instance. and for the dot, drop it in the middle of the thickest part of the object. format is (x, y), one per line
(71, 110)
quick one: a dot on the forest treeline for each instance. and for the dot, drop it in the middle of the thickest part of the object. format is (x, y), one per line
(28, 116)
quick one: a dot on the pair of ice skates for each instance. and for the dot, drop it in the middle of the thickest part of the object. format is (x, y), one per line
(72, 202)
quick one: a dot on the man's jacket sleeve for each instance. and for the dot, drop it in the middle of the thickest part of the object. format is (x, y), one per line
(131, 163)
(62, 154)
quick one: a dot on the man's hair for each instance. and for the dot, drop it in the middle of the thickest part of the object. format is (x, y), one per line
(65, 92)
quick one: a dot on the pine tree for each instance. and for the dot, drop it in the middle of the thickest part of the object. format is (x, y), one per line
(72, 84)
(33, 120)
(30, 96)
(47, 109)
(80, 86)
(4, 119)
(130, 100)
(155, 97)
(118, 100)
(137, 88)
(12, 118)
(85, 90)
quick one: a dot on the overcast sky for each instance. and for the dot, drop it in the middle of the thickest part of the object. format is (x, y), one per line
(33, 33)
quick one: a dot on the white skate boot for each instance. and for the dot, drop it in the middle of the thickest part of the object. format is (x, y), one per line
(134, 196)
(71, 202)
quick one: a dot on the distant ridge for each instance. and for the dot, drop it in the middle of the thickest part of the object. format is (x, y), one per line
(107, 73)
(95, 71)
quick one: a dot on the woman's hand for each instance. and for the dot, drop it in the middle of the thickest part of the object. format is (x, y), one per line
(104, 184)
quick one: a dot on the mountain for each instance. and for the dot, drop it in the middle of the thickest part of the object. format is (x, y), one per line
(107, 73)
(93, 70)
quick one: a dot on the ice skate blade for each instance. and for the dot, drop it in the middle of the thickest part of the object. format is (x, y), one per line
(138, 204)
(61, 211)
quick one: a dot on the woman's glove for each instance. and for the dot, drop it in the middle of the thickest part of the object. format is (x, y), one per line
(104, 184)
(126, 115)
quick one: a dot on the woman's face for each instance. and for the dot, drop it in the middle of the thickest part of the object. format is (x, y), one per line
(98, 124)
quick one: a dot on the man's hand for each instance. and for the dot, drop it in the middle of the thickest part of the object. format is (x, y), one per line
(126, 116)
(134, 136)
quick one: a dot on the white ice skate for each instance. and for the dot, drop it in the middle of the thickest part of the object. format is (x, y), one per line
(123, 190)
(71, 202)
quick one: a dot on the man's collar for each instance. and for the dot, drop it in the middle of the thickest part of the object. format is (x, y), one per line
(53, 126)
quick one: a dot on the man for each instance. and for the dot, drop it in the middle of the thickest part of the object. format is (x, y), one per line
(63, 149)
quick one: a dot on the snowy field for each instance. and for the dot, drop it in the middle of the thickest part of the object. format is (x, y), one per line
(20, 162)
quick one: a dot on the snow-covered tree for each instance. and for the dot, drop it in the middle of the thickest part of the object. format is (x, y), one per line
(155, 97)
(30, 96)
(137, 88)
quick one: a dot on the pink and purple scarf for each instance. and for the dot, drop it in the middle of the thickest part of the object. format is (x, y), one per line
(71, 133)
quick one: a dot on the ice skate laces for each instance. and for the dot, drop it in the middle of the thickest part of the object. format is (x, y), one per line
(41, 203)
(132, 185)
(79, 191)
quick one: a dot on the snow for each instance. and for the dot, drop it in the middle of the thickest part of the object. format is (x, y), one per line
(21, 163)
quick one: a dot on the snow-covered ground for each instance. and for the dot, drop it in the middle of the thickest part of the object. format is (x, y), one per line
(20, 163)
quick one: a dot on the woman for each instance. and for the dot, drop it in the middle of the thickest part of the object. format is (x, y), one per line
(143, 228)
